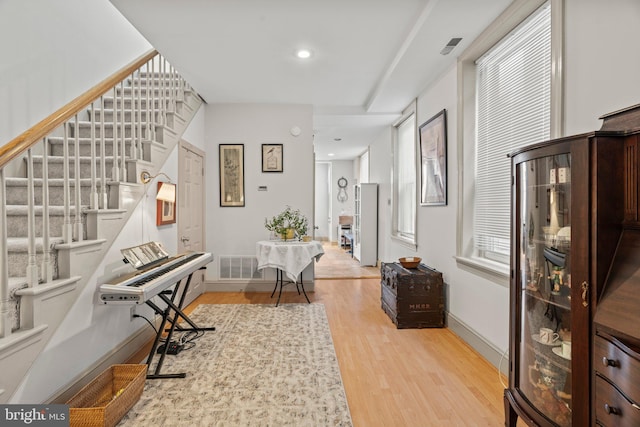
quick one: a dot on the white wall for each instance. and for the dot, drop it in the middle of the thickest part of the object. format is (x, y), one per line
(235, 230)
(54, 50)
(194, 134)
(602, 60)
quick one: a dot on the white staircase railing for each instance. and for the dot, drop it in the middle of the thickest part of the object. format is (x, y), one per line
(50, 168)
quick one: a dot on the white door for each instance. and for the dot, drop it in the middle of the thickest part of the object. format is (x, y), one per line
(322, 199)
(191, 210)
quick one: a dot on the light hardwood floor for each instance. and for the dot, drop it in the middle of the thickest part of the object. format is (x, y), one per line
(337, 263)
(395, 377)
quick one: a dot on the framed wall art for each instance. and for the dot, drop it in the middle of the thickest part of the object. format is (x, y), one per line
(231, 175)
(433, 160)
(166, 203)
(271, 157)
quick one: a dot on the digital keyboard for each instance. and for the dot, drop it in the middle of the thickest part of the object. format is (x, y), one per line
(140, 286)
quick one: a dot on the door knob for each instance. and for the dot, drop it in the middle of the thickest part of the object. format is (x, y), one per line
(184, 239)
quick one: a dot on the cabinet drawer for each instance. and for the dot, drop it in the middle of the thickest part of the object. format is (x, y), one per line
(619, 366)
(612, 408)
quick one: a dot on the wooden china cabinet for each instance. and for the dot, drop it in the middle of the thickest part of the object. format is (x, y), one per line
(568, 198)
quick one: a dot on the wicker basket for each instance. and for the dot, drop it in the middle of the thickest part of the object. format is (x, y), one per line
(105, 400)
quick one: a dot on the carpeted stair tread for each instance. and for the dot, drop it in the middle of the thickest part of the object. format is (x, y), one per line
(21, 244)
(23, 210)
(53, 182)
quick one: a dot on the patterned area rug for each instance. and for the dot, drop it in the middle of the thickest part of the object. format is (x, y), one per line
(262, 366)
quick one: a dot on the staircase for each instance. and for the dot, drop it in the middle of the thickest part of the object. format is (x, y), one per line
(66, 196)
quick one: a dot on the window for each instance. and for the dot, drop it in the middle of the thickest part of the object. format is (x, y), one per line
(514, 86)
(404, 178)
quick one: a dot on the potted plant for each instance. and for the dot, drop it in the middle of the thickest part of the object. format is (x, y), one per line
(287, 224)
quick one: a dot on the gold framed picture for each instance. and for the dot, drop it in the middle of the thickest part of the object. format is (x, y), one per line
(231, 175)
(165, 209)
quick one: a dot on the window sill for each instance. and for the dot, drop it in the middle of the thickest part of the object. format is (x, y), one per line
(404, 242)
(494, 271)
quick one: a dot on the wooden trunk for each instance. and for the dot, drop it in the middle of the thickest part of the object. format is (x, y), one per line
(412, 298)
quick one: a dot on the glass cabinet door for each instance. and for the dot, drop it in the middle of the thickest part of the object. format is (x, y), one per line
(544, 283)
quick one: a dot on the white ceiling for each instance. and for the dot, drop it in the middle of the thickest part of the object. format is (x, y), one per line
(370, 58)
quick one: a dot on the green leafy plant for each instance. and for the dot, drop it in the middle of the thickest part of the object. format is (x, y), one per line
(288, 219)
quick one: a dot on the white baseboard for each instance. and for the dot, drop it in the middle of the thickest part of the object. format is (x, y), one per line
(266, 286)
(487, 350)
(118, 355)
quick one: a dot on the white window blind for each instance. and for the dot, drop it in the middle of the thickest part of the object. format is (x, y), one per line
(513, 110)
(405, 168)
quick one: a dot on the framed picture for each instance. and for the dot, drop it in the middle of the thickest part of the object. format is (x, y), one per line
(433, 160)
(165, 209)
(231, 175)
(271, 157)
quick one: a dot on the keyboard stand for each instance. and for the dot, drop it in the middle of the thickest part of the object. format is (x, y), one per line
(178, 313)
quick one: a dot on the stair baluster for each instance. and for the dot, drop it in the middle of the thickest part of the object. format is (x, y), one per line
(152, 122)
(134, 137)
(103, 160)
(123, 134)
(93, 199)
(163, 92)
(115, 170)
(67, 231)
(32, 264)
(47, 266)
(172, 89)
(5, 303)
(77, 223)
(139, 110)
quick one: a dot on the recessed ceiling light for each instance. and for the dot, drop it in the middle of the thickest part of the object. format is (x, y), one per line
(331, 154)
(303, 53)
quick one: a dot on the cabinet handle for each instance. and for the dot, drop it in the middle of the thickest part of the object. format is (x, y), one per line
(585, 294)
(610, 409)
(609, 362)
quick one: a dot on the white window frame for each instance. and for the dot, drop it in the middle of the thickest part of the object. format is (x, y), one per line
(466, 124)
(408, 240)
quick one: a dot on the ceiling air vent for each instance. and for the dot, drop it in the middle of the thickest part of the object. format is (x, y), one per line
(449, 47)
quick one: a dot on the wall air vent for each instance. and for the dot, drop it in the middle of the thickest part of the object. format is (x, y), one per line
(239, 267)
(450, 46)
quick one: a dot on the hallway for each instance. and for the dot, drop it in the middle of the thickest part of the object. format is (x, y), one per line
(337, 263)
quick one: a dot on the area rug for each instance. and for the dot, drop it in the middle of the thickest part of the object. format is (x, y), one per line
(262, 366)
